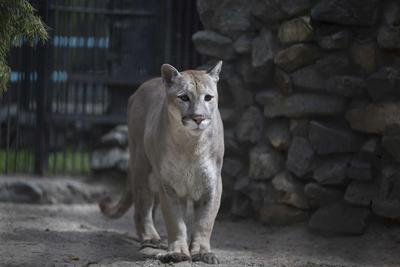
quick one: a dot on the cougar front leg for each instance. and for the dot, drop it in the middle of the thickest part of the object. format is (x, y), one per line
(205, 211)
(174, 217)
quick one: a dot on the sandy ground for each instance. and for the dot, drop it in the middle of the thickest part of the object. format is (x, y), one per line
(78, 235)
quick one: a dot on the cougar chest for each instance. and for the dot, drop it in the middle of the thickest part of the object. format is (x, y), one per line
(187, 176)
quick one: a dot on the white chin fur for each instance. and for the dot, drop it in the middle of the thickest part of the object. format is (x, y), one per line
(192, 126)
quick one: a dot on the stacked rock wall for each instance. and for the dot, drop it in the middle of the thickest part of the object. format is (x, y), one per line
(310, 98)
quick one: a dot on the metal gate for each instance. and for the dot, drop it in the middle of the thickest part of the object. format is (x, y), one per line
(64, 94)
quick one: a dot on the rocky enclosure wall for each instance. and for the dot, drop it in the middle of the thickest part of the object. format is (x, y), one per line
(309, 95)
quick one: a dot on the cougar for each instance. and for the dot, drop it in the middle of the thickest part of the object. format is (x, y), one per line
(176, 148)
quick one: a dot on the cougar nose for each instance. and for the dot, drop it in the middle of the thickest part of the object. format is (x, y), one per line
(198, 118)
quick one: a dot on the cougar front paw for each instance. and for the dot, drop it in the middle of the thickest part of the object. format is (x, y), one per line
(173, 257)
(208, 257)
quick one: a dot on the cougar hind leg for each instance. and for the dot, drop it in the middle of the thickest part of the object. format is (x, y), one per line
(145, 200)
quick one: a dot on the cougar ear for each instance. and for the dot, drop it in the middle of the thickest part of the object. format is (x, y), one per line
(214, 71)
(169, 74)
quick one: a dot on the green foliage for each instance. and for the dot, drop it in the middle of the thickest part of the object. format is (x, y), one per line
(18, 22)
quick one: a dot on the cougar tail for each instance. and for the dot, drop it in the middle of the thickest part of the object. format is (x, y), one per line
(116, 211)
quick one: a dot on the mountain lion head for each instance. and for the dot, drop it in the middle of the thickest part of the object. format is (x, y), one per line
(192, 96)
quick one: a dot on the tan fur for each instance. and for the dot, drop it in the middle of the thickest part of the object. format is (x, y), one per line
(176, 149)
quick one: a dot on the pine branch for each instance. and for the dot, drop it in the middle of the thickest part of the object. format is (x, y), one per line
(18, 21)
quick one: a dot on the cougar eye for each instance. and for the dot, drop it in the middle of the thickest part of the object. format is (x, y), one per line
(208, 97)
(184, 98)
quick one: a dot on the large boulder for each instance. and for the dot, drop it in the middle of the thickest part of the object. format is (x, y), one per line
(331, 171)
(264, 48)
(281, 214)
(271, 10)
(243, 44)
(361, 166)
(278, 134)
(104, 159)
(346, 12)
(213, 44)
(295, 56)
(364, 55)
(391, 143)
(375, 118)
(340, 218)
(331, 137)
(229, 17)
(241, 96)
(347, 86)
(384, 84)
(291, 190)
(296, 30)
(334, 41)
(387, 203)
(300, 156)
(299, 105)
(265, 162)
(283, 81)
(361, 193)
(319, 196)
(250, 125)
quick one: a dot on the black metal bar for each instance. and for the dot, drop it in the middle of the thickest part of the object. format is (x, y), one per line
(41, 131)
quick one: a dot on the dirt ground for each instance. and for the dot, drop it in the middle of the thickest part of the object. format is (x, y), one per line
(78, 235)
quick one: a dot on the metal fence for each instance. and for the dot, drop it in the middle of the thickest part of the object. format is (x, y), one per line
(62, 96)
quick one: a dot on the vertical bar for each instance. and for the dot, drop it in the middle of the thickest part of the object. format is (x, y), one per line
(41, 132)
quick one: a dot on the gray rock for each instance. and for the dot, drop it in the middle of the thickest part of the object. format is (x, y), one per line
(361, 193)
(296, 30)
(319, 196)
(389, 37)
(241, 206)
(330, 137)
(346, 12)
(374, 118)
(371, 146)
(261, 193)
(228, 115)
(382, 85)
(280, 214)
(243, 44)
(232, 167)
(391, 13)
(335, 41)
(296, 56)
(391, 143)
(361, 167)
(332, 171)
(231, 145)
(278, 134)
(20, 192)
(299, 127)
(213, 44)
(340, 218)
(283, 81)
(292, 191)
(264, 48)
(250, 126)
(333, 64)
(387, 204)
(116, 137)
(242, 97)
(364, 54)
(265, 162)
(227, 16)
(300, 156)
(313, 77)
(347, 86)
(255, 75)
(112, 158)
(270, 10)
(299, 105)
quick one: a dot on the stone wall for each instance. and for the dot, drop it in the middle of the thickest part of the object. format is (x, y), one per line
(310, 98)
